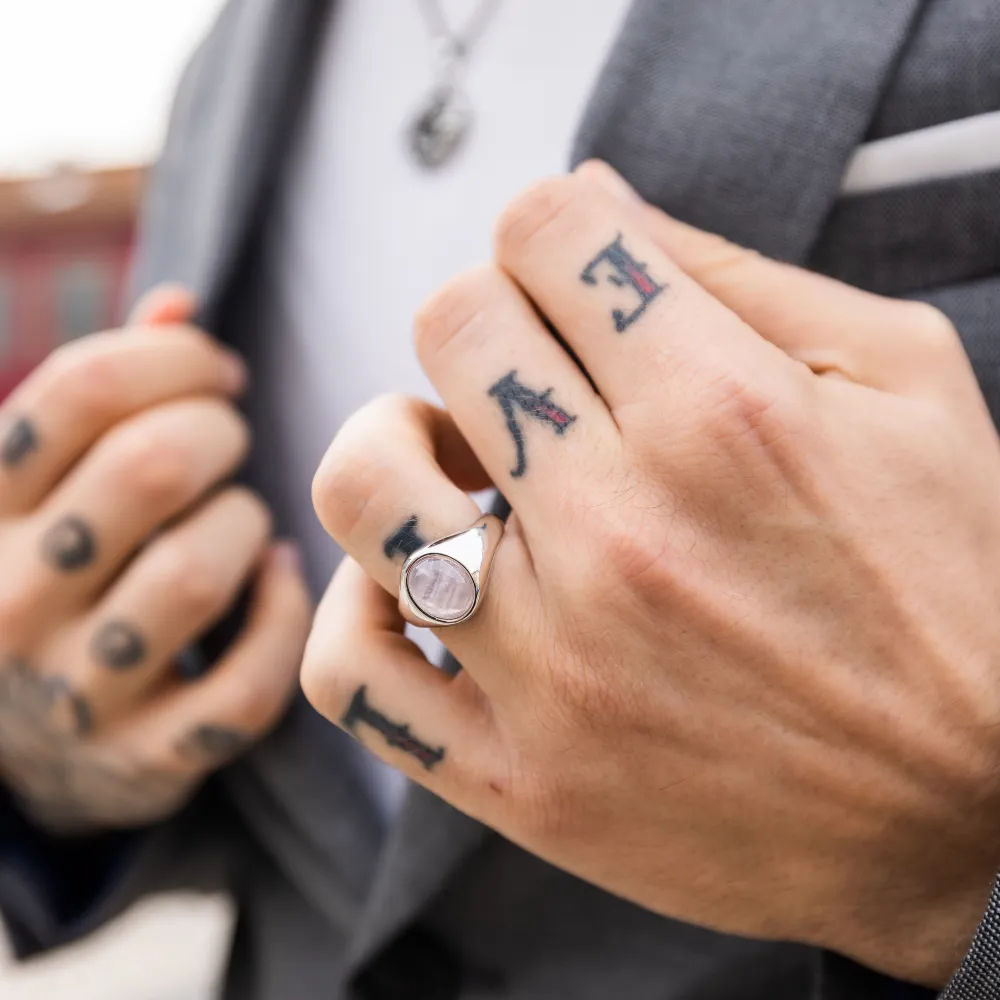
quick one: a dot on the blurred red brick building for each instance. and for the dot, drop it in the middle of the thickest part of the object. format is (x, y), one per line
(65, 244)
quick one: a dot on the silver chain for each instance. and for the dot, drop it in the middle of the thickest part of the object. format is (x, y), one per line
(459, 42)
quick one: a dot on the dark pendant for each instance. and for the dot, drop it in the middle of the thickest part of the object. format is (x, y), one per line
(442, 126)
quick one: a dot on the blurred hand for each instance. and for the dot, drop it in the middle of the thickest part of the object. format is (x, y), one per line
(738, 659)
(117, 549)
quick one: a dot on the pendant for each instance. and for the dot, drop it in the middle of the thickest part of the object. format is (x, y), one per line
(438, 132)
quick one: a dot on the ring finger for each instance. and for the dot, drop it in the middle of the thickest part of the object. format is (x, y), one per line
(176, 588)
(393, 481)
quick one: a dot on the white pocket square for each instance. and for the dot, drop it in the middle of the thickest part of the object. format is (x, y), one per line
(967, 146)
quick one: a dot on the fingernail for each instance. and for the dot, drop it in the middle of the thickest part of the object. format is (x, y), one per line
(236, 373)
(174, 299)
(286, 555)
(610, 180)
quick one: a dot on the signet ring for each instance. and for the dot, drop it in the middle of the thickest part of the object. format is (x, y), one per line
(443, 582)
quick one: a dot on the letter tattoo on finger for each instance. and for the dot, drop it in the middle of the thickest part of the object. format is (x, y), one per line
(119, 645)
(513, 396)
(396, 735)
(404, 541)
(20, 442)
(63, 699)
(624, 270)
(70, 545)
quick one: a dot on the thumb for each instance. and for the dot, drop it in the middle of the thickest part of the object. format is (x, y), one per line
(832, 327)
(163, 305)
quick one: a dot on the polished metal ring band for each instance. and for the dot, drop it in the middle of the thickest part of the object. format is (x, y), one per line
(443, 582)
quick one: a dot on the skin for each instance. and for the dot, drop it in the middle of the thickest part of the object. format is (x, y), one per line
(738, 657)
(120, 546)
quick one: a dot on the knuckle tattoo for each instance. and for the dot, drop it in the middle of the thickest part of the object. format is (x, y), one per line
(396, 735)
(621, 270)
(69, 545)
(19, 443)
(119, 645)
(514, 396)
(405, 540)
(63, 782)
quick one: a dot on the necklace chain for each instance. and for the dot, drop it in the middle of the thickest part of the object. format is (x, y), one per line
(459, 41)
(446, 116)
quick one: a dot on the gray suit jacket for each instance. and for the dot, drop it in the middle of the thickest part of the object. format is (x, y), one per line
(738, 115)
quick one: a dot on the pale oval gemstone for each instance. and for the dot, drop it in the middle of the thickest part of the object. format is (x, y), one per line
(441, 587)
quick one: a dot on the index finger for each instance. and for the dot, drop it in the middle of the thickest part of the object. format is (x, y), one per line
(643, 329)
(84, 389)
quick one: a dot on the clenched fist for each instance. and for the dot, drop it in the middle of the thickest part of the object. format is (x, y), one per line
(119, 547)
(739, 656)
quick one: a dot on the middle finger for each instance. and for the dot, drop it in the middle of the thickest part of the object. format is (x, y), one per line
(518, 397)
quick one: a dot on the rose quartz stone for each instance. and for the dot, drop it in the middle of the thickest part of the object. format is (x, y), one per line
(441, 588)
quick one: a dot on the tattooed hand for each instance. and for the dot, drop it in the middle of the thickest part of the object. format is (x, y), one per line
(738, 659)
(112, 439)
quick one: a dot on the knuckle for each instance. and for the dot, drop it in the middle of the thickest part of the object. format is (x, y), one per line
(154, 468)
(933, 331)
(89, 381)
(324, 675)
(188, 581)
(323, 688)
(741, 410)
(258, 706)
(249, 511)
(454, 311)
(637, 557)
(724, 267)
(18, 603)
(532, 212)
(359, 465)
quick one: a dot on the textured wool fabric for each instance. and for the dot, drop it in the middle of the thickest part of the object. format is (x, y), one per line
(979, 976)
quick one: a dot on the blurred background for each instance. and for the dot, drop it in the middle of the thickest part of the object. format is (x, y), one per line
(85, 89)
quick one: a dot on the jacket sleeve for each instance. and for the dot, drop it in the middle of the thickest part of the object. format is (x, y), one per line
(978, 977)
(56, 890)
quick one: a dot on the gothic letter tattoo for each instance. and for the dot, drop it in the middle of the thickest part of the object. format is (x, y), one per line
(624, 271)
(119, 646)
(212, 745)
(397, 736)
(30, 698)
(21, 441)
(64, 699)
(70, 545)
(513, 396)
(404, 542)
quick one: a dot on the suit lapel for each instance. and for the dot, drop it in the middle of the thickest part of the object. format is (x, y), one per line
(426, 845)
(232, 121)
(739, 116)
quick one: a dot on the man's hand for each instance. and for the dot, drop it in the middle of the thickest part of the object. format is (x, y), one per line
(118, 548)
(738, 659)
